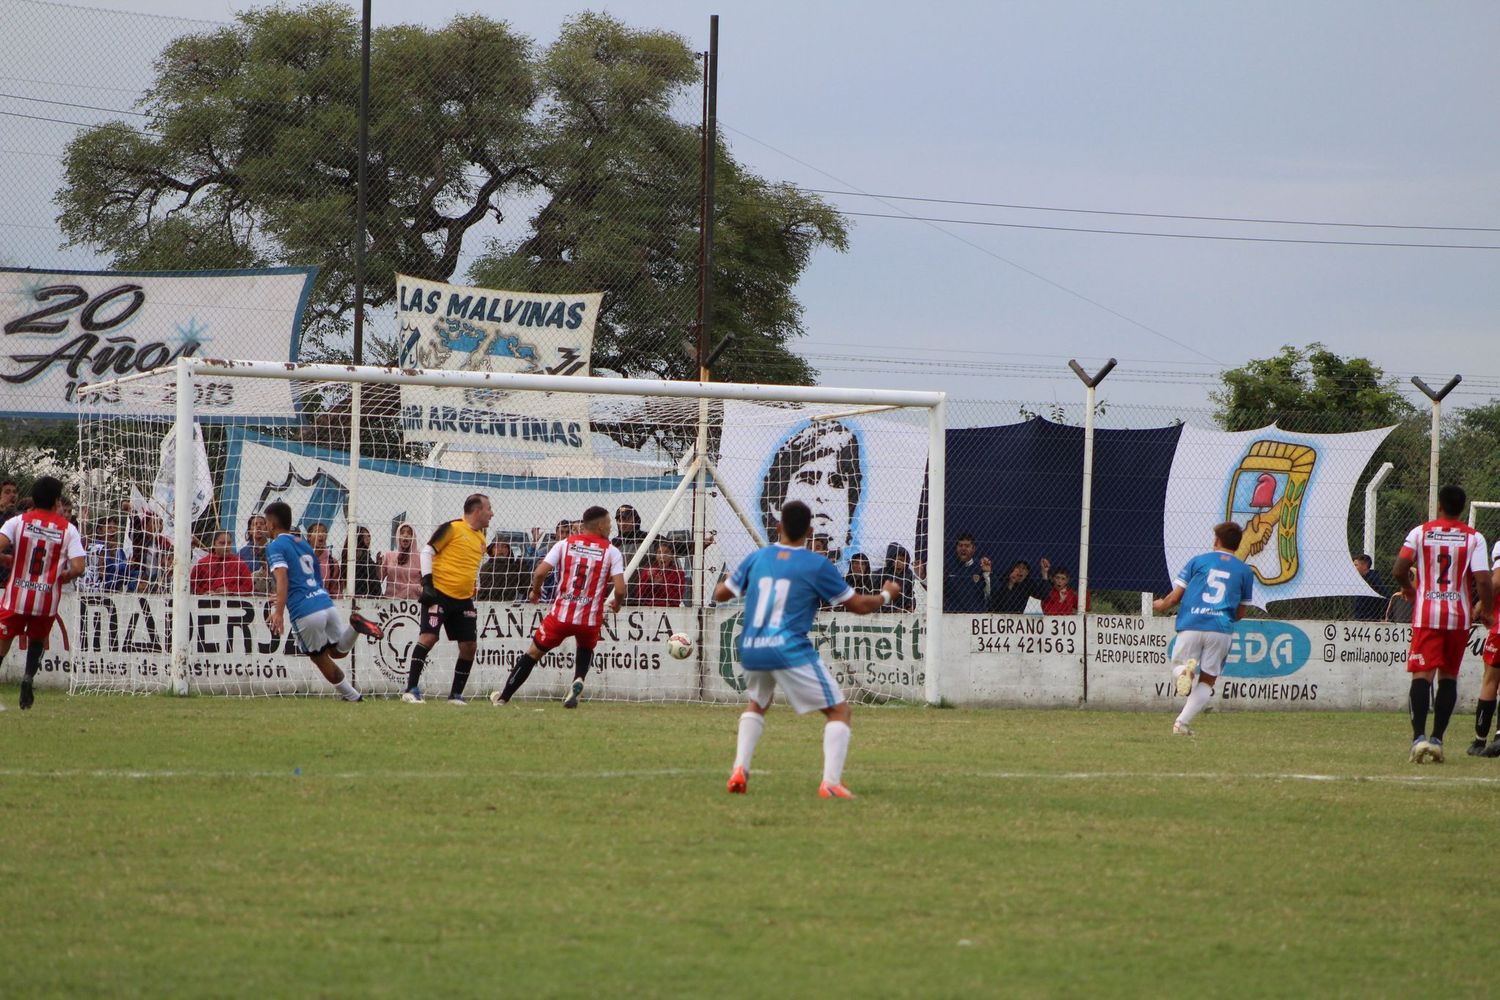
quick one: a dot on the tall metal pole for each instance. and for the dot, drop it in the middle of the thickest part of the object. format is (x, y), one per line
(183, 488)
(705, 326)
(361, 186)
(1437, 412)
(1092, 383)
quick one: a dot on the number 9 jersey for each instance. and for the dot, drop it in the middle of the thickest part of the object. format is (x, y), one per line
(1214, 585)
(782, 587)
(305, 593)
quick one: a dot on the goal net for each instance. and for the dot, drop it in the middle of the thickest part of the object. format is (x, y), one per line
(179, 463)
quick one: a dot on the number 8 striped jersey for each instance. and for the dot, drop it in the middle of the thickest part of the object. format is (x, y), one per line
(782, 587)
(41, 543)
(586, 565)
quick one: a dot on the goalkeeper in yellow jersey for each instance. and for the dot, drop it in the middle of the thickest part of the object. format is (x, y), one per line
(450, 568)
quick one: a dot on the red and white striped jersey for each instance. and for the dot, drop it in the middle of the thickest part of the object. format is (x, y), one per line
(585, 566)
(1495, 612)
(41, 543)
(1444, 554)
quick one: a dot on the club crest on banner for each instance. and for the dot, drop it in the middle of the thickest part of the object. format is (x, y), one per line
(1265, 496)
(1289, 491)
(318, 498)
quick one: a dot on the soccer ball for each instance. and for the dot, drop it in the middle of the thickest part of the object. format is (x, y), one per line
(680, 646)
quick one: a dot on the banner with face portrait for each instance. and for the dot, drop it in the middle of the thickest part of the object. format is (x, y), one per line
(862, 477)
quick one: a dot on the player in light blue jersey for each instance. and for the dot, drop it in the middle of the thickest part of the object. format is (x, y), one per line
(321, 632)
(1213, 590)
(782, 585)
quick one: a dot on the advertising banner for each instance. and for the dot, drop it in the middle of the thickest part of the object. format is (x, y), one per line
(456, 328)
(60, 329)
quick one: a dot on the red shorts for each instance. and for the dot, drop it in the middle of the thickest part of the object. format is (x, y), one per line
(35, 627)
(1492, 650)
(1437, 649)
(553, 632)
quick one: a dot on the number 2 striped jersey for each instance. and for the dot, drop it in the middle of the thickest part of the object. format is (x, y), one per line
(782, 586)
(585, 565)
(41, 543)
(1214, 585)
(1444, 553)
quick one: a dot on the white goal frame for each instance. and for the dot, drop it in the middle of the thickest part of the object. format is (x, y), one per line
(695, 468)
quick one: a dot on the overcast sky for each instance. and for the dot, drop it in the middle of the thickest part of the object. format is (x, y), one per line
(1354, 112)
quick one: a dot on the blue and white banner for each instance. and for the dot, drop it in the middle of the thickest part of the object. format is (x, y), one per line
(862, 477)
(1157, 493)
(61, 329)
(456, 328)
(315, 483)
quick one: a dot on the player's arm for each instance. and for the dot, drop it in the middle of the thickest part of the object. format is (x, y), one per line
(276, 621)
(863, 604)
(615, 562)
(733, 585)
(1479, 572)
(1171, 600)
(544, 570)
(74, 542)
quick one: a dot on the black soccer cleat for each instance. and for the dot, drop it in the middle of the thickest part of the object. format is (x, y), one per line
(1476, 748)
(364, 626)
(28, 697)
(572, 700)
(1493, 750)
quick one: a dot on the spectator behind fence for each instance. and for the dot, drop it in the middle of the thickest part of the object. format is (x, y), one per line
(628, 523)
(1399, 609)
(966, 580)
(253, 552)
(898, 568)
(661, 584)
(221, 571)
(1062, 599)
(150, 553)
(503, 577)
(860, 576)
(10, 500)
(333, 570)
(1019, 589)
(1370, 609)
(106, 569)
(366, 571)
(400, 568)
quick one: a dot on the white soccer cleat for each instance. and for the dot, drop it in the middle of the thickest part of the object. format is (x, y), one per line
(1184, 674)
(495, 699)
(1181, 729)
(1419, 750)
(457, 700)
(412, 697)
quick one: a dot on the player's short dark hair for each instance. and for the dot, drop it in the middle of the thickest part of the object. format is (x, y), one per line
(473, 502)
(796, 520)
(45, 492)
(1228, 535)
(594, 513)
(279, 513)
(1452, 500)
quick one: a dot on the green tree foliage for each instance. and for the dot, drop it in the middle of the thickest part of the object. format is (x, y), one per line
(249, 158)
(1309, 389)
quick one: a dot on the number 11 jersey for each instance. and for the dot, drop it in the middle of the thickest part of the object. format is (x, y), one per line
(782, 587)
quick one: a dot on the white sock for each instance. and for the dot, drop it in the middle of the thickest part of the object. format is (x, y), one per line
(346, 689)
(1196, 702)
(835, 749)
(752, 724)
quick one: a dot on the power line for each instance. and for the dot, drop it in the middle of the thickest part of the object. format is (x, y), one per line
(990, 253)
(1153, 215)
(70, 104)
(907, 217)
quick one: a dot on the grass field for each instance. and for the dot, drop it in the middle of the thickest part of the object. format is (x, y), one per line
(163, 847)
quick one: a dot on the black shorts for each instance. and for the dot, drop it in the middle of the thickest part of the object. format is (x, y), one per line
(458, 618)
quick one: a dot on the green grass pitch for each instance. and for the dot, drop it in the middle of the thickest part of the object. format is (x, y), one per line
(304, 847)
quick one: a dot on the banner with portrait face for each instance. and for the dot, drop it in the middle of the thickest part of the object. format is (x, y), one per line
(457, 328)
(861, 476)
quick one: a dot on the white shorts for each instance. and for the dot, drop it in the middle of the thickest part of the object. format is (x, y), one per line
(321, 629)
(1208, 648)
(808, 688)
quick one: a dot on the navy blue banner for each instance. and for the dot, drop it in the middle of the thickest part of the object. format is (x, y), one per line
(1018, 489)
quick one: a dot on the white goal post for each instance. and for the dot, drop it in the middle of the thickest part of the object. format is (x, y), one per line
(371, 460)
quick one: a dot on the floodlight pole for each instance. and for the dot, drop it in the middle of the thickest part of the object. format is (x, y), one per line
(361, 202)
(1437, 408)
(1091, 383)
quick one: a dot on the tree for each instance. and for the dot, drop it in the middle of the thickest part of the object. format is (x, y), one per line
(1309, 389)
(249, 158)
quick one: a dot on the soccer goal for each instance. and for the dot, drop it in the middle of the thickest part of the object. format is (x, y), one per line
(179, 462)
